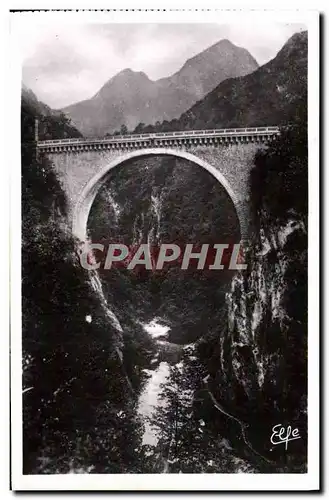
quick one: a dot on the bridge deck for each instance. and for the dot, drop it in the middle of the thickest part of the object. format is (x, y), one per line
(248, 133)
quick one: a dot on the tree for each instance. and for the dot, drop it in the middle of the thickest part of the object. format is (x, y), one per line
(279, 180)
(78, 413)
(139, 128)
(123, 130)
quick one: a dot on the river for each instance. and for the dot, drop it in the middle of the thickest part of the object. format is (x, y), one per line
(149, 399)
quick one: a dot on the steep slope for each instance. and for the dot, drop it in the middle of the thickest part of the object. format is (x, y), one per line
(123, 99)
(79, 373)
(261, 378)
(206, 70)
(130, 98)
(52, 124)
(268, 96)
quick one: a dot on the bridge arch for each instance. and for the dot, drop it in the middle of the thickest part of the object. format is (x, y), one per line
(86, 199)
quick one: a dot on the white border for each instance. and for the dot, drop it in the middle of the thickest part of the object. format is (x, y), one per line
(172, 482)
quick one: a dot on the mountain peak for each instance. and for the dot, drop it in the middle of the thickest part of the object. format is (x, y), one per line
(126, 78)
(225, 42)
(129, 73)
(225, 49)
(295, 48)
(297, 40)
(272, 95)
(130, 97)
(125, 72)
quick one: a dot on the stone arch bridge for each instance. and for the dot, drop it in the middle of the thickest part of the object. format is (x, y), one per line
(83, 164)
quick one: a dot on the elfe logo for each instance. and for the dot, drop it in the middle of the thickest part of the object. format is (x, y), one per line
(217, 256)
(281, 435)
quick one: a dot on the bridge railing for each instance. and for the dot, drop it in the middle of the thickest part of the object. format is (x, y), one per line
(169, 135)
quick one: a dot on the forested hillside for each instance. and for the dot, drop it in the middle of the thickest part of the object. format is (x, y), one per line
(243, 367)
(75, 385)
(268, 96)
(234, 359)
(52, 124)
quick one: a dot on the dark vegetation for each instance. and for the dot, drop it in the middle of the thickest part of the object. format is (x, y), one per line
(193, 208)
(52, 124)
(82, 378)
(78, 404)
(278, 343)
(76, 416)
(258, 372)
(265, 97)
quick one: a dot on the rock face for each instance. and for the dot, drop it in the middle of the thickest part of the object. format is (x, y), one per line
(261, 371)
(86, 353)
(258, 366)
(130, 97)
(268, 96)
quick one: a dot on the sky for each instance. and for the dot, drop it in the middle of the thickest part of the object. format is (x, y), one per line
(68, 63)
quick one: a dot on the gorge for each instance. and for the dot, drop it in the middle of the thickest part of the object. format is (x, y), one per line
(168, 370)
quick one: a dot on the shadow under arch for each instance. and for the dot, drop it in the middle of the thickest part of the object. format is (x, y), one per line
(85, 201)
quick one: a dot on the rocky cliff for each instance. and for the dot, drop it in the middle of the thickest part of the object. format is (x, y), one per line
(258, 364)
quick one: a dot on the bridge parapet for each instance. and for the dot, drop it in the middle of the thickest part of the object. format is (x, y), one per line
(185, 139)
(83, 165)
